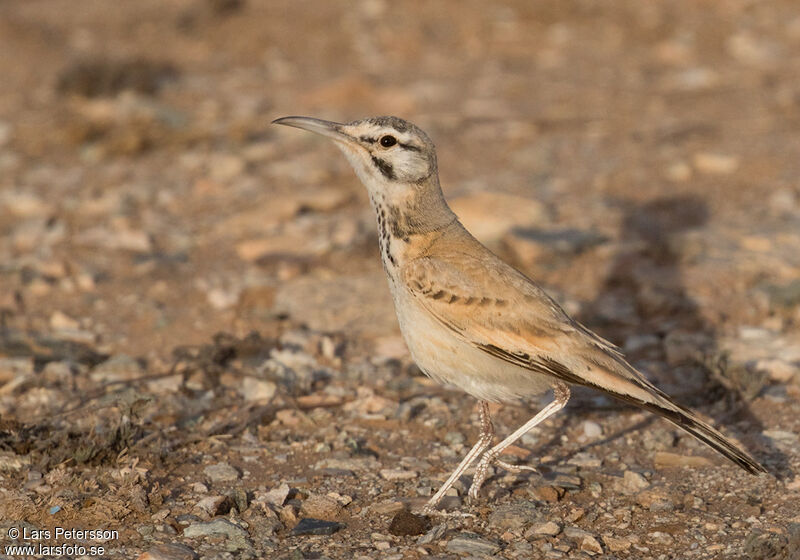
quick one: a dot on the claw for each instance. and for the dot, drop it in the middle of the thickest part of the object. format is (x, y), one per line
(482, 472)
(445, 514)
(490, 457)
(515, 468)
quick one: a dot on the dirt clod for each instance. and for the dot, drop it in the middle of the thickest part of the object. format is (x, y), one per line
(405, 523)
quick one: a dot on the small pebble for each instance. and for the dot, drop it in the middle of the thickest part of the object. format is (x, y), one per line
(435, 533)
(634, 482)
(321, 507)
(617, 544)
(398, 474)
(715, 164)
(548, 528)
(666, 460)
(214, 505)
(592, 429)
(591, 545)
(469, 543)
(308, 526)
(221, 472)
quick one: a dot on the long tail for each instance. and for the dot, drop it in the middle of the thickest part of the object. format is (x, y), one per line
(644, 394)
(633, 387)
(606, 370)
(686, 420)
(624, 382)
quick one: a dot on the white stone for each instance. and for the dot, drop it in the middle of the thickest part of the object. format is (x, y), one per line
(591, 545)
(778, 370)
(221, 472)
(277, 496)
(211, 504)
(222, 299)
(715, 164)
(254, 389)
(398, 474)
(592, 429)
(548, 528)
(125, 239)
(60, 320)
(634, 482)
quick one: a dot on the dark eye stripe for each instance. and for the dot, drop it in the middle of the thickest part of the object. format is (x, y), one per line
(373, 140)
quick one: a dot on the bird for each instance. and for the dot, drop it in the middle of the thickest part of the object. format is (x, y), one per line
(472, 321)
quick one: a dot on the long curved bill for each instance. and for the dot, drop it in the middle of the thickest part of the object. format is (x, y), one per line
(325, 128)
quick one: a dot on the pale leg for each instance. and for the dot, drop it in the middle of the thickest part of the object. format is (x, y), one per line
(484, 440)
(561, 395)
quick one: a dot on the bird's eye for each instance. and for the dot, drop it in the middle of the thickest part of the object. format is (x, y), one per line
(388, 141)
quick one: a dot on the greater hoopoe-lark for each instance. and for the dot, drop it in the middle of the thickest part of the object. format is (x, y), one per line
(469, 319)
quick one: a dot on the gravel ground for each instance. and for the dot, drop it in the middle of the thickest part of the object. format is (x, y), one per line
(198, 352)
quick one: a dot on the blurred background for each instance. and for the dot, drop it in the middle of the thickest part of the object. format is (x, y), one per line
(147, 201)
(639, 159)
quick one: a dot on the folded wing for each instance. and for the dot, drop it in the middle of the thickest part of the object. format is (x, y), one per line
(500, 311)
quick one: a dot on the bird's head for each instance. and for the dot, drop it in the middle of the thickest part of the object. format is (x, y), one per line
(388, 154)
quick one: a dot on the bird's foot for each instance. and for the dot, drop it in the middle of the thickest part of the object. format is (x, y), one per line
(482, 472)
(445, 514)
(516, 468)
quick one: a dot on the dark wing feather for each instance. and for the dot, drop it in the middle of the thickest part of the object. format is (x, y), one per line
(505, 314)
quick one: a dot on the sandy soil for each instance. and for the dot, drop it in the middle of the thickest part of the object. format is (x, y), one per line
(197, 345)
